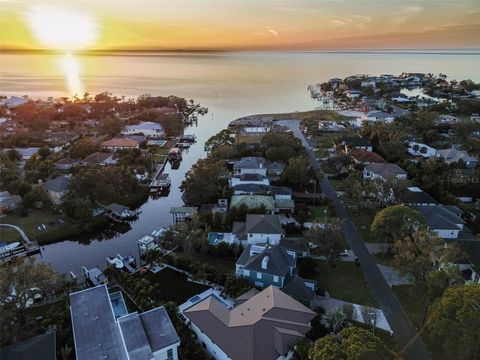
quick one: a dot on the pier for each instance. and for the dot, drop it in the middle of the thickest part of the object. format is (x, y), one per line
(160, 181)
(27, 248)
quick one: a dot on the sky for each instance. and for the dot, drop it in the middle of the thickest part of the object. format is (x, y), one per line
(239, 25)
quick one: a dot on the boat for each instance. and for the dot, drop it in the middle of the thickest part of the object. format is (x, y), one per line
(5, 248)
(147, 243)
(122, 263)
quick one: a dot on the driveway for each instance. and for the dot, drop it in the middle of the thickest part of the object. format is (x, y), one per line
(412, 347)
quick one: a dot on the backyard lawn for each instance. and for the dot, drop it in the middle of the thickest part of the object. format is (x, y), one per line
(222, 264)
(173, 285)
(9, 235)
(344, 282)
(362, 221)
(29, 224)
(410, 304)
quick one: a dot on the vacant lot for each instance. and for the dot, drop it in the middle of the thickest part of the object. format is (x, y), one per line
(173, 286)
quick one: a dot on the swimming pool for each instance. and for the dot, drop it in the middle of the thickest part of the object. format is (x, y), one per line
(214, 238)
(118, 304)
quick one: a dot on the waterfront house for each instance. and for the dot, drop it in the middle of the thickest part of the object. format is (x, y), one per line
(259, 229)
(13, 102)
(250, 189)
(330, 126)
(356, 143)
(379, 116)
(120, 144)
(148, 128)
(353, 94)
(37, 347)
(99, 158)
(265, 265)
(57, 188)
(257, 165)
(453, 155)
(384, 171)
(244, 179)
(264, 326)
(445, 220)
(103, 328)
(254, 202)
(414, 196)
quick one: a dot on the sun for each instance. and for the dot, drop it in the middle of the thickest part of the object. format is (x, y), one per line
(62, 30)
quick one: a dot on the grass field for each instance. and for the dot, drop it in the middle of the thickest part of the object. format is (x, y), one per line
(173, 286)
(410, 304)
(9, 235)
(222, 264)
(344, 282)
(317, 213)
(362, 221)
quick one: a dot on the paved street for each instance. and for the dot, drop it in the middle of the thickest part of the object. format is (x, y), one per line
(412, 347)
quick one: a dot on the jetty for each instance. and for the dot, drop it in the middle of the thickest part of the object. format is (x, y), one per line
(160, 181)
(28, 247)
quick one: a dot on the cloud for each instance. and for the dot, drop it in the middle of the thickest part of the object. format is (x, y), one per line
(406, 14)
(273, 32)
(354, 21)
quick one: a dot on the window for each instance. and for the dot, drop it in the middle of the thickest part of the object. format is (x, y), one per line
(275, 278)
(204, 345)
(246, 272)
(170, 354)
(259, 275)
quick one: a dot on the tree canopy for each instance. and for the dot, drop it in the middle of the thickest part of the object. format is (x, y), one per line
(352, 343)
(223, 138)
(453, 323)
(396, 222)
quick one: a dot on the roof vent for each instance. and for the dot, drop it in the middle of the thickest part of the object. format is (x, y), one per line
(265, 262)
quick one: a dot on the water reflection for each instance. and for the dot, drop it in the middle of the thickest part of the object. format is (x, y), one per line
(69, 65)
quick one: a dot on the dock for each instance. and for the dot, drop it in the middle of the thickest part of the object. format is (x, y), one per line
(27, 248)
(160, 181)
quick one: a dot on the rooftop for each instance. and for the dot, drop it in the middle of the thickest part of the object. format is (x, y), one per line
(253, 201)
(414, 195)
(263, 327)
(278, 260)
(445, 217)
(120, 142)
(385, 169)
(59, 184)
(263, 224)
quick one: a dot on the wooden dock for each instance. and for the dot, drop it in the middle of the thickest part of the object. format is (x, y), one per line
(27, 248)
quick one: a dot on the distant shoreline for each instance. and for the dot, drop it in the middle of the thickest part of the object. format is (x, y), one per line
(156, 52)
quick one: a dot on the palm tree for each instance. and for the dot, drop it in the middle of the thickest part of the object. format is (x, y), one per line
(66, 352)
(334, 320)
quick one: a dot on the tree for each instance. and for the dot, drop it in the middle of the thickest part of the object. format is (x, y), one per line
(296, 172)
(335, 320)
(110, 126)
(204, 181)
(223, 138)
(325, 241)
(452, 325)
(396, 222)
(352, 343)
(19, 283)
(37, 197)
(82, 148)
(234, 287)
(421, 252)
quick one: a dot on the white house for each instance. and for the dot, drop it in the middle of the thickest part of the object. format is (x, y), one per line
(379, 116)
(103, 328)
(147, 128)
(384, 171)
(453, 155)
(257, 165)
(445, 220)
(243, 179)
(258, 229)
(423, 150)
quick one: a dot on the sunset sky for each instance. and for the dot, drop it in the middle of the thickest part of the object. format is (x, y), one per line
(234, 24)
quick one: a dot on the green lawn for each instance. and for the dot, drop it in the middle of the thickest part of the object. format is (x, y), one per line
(410, 304)
(222, 264)
(338, 184)
(362, 221)
(9, 235)
(173, 286)
(29, 223)
(344, 282)
(317, 213)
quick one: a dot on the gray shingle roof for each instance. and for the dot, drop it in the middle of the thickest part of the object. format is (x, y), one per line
(414, 195)
(263, 224)
(442, 217)
(279, 261)
(385, 169)
(59, 184)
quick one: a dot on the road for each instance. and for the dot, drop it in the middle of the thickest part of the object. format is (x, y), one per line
(412, 347)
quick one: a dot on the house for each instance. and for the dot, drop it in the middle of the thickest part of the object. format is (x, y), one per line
(8, 201)
(103, 328)
(259, 229)
(453, 155)
(469, 265)
(37, 347)
(25, 153)
(120, 144)
(302, 290)
(423, 150)
(379, 116)
(250, 189)
(65, 164)
(266, 265)
(446, 120)
(363, 157)
(414, 196)
(353, 94)
(244, 179)
(445, 220)
(281, 192)
(263, 326)
(356, 143)
(330, 126)
(475, 118)
(57, 188)
(99, 158)
(257, 165)
(148, 128)
(384, 171)
(254, 202)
